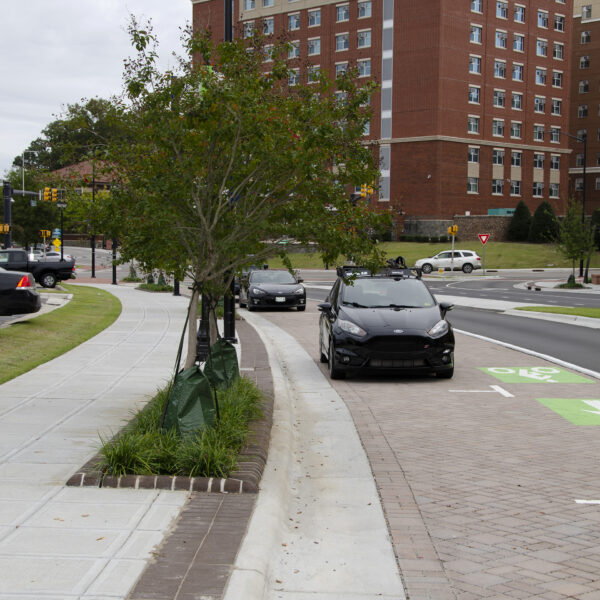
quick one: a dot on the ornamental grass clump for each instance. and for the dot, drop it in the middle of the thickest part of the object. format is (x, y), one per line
(143, 448)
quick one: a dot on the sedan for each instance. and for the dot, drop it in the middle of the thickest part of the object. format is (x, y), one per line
(17, 293)
(387, 323)
(457, 260)
(272, 288)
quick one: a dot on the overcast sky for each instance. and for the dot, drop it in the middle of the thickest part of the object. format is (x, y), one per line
(58, 52)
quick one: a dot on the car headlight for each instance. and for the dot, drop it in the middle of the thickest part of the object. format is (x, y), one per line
(256, 291)
(350, 327)
(439, 329)
(299, 291)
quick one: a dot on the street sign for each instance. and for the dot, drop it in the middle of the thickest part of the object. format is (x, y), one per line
(56, 244)
(483, 237)
(56, 233)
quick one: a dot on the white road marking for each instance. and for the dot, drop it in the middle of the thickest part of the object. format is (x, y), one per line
(495, 389)
(587, 501)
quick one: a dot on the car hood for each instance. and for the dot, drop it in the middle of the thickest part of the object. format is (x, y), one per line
(276, 288)
(378, 320)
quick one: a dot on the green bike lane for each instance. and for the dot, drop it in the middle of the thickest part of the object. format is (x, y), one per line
(489, 481)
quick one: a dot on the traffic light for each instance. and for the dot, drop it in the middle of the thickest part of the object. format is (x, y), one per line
(47, 194)
(453, 229)
(54, 195)
(363, 190)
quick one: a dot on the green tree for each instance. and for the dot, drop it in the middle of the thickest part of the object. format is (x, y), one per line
(596, 226)
(226, 159)
(518, 229)
(544, 225)
(576, 237)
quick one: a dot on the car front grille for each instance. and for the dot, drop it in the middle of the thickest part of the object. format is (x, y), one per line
(398, 343)
(377, 363)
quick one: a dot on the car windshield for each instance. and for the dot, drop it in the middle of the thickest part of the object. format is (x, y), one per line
(267, 276)
(387, 293)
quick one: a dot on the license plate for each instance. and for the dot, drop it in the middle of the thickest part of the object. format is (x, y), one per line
(279, 298)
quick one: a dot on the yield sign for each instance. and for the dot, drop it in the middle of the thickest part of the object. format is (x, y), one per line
(483, 237)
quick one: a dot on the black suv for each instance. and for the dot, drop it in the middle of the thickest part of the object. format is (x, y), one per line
(385, 321)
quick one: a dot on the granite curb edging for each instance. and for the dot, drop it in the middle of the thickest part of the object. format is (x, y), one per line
(253, 456)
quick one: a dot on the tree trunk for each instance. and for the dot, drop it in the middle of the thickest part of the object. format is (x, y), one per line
(212, 320)
(192, 330)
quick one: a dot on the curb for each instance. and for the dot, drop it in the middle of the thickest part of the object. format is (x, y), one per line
(252, 458)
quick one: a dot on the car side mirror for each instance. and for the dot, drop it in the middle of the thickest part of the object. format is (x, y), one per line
(445, 307)
(299, 279)
(324, 307)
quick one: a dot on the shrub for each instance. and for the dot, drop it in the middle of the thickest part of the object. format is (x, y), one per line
(544, 225)
(518, 229)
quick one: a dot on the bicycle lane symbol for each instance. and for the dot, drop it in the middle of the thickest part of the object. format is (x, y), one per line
(534, 375)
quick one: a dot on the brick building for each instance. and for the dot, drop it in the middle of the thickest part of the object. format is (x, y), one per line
(474, 94)
(585, 103)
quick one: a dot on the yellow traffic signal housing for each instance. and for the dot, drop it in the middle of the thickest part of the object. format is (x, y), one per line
(54, 195)
(47, 194)
(363, 190)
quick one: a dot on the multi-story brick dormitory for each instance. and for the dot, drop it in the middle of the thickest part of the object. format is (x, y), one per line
(473, 96)
(585, 103)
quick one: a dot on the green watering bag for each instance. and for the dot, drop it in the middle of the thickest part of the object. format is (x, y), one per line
(221, 367)
(191, 404)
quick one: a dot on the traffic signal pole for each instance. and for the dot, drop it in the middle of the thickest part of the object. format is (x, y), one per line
(6, 194)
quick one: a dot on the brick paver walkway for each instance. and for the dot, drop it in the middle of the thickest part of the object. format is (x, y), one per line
(479, 484)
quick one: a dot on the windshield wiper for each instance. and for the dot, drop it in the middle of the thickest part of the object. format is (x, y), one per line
(355, 304)
(400, 306)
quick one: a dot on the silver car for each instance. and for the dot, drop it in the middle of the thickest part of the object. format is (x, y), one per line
(459, 260)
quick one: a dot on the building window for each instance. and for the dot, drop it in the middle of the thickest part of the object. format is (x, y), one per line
(341, 42)
(476, 34)
(515, 187)
(553, 190)
(499, 98)
(342, 13)
(364, 9)
(294, 49)
(541, 48)
(555, 162)
(249, 4)
(515, 158)
(476, 6)
(498, 127)
(472, 185)
(579, 184)
(586, 37)
(473, 94)
(268, 26)
(586, 11)
(497, 186)
(519, 14)
(581, 133)
(268, 3)
(313, 73)
(598, 159)
(538, 133)
(542, 19)
(294, 77)
(518, 42)
(314, 17)
(497, 157)
(515, 129)
(294, 21)
(556, 106)
(364, 67)
(473, 155)
(516, 101)
(538, 189)
(584, 62)
(248, 29)
(538, 161)
(539, 104)
(584, 86)
(474, 64)
(473, 124)
(501, 39)
(517, 72)
(559, 23)
(314, 46)
(558, 51)
(268, 52)
(364, 39)
(341, 68)
(596, 184)
(367, 128)
(555, 135)
(540, 76)
(557, 79)
(582, 111)
(579, 160)
(502, 9)
(500, 69)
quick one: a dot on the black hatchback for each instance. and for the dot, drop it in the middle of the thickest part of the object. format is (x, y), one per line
(389, 321)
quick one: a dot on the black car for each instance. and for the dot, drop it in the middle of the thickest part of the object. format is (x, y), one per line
(388, 321)
(17, 293)
(272, 288)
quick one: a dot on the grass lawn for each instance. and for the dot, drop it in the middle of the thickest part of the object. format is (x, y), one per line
(498, 255)
(27, 344)
(593, 313)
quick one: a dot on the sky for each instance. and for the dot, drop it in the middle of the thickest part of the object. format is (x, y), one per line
(59, 52)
